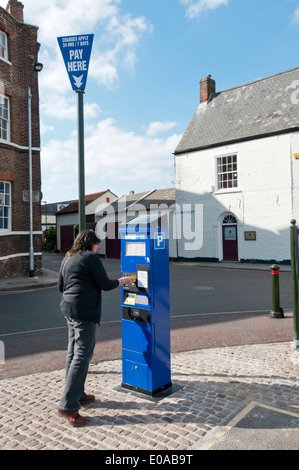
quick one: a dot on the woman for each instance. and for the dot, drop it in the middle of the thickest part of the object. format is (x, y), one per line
(82, 278)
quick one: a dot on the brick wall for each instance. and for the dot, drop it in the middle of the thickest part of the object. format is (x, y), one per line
(15, 76)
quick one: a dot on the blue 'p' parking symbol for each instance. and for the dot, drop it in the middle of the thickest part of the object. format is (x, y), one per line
(159, 243)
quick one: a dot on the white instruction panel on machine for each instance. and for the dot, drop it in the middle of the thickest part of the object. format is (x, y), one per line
(135, 249)
(142, 279)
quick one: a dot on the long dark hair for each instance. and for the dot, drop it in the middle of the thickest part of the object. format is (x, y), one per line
(83, 242)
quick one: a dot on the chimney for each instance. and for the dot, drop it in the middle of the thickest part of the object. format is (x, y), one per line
(15, 9)
(207, 88)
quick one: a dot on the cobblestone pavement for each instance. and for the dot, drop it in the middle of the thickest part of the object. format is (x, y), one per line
(214, 388)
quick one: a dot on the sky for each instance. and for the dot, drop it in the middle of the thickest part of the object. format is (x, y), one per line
(147, 59)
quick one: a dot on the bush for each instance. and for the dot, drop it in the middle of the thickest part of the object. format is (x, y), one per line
(50, 239)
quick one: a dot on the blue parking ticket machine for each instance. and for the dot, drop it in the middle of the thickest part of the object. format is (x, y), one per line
(145, 306)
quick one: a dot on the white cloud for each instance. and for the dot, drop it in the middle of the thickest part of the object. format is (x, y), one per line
(103, 68)
(114, 158)
(157, 127)
(62, 17)
(117, 48)
(295, 16)
(44, 128)
(109, 148)
(59, 170)
(195, 7)
(116, 37)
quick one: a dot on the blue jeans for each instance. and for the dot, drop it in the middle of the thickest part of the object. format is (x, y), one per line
(79, 354)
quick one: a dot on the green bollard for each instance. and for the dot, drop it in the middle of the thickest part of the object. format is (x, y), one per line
(277, 311)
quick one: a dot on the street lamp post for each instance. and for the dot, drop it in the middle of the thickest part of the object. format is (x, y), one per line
(37, 68)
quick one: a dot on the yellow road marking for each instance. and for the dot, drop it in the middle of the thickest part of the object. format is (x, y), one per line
(225, 429)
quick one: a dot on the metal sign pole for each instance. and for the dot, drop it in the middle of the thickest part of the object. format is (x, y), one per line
(81, 170)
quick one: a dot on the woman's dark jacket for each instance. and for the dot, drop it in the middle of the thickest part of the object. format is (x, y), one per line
(82, 278)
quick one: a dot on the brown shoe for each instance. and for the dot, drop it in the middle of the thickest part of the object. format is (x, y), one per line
(87, 399)
(73, 417)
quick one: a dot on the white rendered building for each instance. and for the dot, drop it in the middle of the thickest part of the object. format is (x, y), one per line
(237, 171)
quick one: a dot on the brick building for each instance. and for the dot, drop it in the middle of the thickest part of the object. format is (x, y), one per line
(18, 55)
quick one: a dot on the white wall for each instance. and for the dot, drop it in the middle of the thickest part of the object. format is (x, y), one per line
(266, 199)
(99, 203)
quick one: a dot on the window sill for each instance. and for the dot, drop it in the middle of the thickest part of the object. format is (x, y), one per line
(226, 191)
(5, 60)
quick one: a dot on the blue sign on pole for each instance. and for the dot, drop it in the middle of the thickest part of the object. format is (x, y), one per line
(76, 52)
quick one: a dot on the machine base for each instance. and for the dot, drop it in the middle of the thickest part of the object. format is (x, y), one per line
(158, 394)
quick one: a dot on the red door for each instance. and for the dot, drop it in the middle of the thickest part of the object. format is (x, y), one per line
(66, 238)
(112, 241)
(230, 242)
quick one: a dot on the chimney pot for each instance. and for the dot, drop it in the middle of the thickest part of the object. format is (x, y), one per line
(15, 9)
(207, 88)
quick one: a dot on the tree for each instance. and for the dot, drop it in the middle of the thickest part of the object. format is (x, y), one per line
(50, 239)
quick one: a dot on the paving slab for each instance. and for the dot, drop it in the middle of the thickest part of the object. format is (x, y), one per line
(232, 397)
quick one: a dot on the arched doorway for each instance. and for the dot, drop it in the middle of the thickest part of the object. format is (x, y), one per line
(230, 238)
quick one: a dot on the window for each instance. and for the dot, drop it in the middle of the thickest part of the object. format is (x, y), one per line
(229, 219)
(5, 205)
(227, 175)
(3, 46)
(4, 118)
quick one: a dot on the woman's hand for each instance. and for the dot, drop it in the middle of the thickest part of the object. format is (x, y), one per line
(126, 280)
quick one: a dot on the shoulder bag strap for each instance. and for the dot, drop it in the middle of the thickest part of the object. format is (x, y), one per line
(62, 271)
